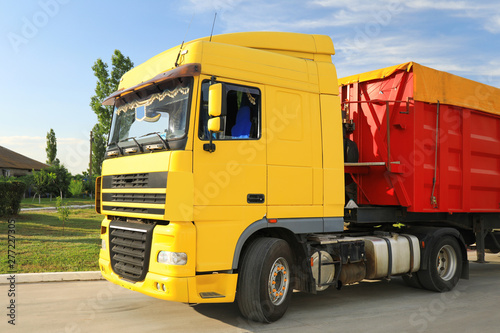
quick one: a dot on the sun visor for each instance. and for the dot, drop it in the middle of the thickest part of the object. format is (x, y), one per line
(181, 71)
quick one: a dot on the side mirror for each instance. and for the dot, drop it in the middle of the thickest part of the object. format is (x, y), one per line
(216, 110)
(215, 125)
(217, 100)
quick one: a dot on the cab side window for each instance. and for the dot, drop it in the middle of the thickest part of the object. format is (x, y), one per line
(242, 121)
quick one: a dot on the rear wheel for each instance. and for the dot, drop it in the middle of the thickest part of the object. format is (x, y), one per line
(444, 266)
(264, 282)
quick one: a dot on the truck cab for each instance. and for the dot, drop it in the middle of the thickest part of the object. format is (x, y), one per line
(182, 202)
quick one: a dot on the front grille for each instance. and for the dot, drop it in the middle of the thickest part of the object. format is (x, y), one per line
(135, 180)
(130, 248)
(156, 198)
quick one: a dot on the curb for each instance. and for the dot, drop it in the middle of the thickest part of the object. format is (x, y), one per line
(55, 208)
(51, 277)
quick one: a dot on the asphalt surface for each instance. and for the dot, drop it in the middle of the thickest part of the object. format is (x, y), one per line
(381, 306)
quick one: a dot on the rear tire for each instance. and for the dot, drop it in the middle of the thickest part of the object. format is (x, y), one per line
(444, 266)
(264, 282)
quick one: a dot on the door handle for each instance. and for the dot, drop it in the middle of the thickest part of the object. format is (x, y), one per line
(255, 198)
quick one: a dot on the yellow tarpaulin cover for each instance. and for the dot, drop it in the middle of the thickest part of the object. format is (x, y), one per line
(430, 85)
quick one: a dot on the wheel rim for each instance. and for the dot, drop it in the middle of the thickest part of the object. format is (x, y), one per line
(279, 281)
(446, 262)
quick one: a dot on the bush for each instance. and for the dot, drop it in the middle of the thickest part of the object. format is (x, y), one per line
(11, 194)
(76, 187)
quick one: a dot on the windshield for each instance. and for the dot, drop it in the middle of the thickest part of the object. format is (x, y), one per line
(160, 115)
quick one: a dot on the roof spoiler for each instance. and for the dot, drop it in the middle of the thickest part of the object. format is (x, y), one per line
(181, 71)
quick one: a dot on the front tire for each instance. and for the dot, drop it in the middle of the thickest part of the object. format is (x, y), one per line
(264, 282)
(444, 266)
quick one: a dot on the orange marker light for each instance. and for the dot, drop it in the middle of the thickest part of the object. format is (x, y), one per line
(272, 220)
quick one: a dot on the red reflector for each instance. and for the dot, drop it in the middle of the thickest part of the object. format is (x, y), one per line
(423, 244)
(272, 220)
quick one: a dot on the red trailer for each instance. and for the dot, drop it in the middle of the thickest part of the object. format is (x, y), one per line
(429, 148)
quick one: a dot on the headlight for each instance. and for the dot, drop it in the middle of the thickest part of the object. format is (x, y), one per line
(172, 258)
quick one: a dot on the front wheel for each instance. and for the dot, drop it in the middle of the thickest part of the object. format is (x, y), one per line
(264, 283)
(445, 266)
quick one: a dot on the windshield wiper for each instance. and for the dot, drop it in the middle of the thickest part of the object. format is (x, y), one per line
(165, 142)
(137, 143)
(120, 149)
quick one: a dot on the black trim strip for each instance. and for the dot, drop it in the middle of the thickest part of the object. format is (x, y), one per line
(135, 210)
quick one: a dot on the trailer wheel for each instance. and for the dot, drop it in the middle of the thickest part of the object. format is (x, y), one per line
(445, 266)
(264, 282)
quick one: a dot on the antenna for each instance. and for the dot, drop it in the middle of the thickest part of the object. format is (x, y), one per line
(180, 50)
(213, 25)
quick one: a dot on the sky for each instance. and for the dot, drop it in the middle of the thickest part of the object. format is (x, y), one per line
(49, 46)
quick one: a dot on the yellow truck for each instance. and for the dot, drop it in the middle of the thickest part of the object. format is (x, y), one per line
(224, 180)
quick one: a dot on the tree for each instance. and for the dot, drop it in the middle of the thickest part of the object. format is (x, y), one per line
(107, 83)
(51, 148)
(100, 137)
(87, 182)
(42, 181)
(60, 184)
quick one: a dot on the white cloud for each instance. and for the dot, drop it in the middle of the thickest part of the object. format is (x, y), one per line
(493, 24)
(485, 13)
(357, 54)
(353, 5)
(378, 33)
(441, 5)
(238, 15)
(300, 15)
(72, 152)
(212, 5)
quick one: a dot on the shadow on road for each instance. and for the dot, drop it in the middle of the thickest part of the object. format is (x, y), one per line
(370, 297)
(303, 303)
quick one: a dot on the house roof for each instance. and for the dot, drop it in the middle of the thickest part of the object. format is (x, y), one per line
(11, 160)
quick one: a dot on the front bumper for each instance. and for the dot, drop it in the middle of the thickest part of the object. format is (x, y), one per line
(206, 288)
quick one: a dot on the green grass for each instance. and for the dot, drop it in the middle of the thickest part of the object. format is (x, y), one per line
(46, 202)
(42, 246)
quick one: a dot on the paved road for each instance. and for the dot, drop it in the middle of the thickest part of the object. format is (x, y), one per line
(99, 306)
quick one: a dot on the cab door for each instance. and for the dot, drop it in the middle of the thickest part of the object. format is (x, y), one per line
(230, 181)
